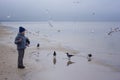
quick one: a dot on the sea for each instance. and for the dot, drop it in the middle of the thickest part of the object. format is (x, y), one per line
(90, 37)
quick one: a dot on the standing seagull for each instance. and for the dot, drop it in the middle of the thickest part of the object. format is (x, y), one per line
(69, 56)
(38, 45)
(89, 57)
(54, 54)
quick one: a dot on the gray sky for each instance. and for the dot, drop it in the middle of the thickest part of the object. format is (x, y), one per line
(67, 10)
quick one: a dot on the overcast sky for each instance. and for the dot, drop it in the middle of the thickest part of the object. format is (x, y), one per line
(67, 10)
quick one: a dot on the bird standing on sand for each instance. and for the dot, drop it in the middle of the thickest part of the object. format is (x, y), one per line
(89, 55)
(38, 45)
(69, 56)
(54, 54)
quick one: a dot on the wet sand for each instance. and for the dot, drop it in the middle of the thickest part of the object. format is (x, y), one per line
(42, 65)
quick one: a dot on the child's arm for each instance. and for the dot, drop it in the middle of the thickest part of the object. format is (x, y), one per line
(18, 40)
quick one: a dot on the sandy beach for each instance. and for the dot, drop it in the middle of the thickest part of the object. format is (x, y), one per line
(8, 56)
(41, 65)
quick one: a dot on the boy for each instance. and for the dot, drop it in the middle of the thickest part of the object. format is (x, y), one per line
(21, 41)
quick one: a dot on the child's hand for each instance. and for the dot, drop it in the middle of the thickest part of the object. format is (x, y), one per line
(27, 45)
(20, 40)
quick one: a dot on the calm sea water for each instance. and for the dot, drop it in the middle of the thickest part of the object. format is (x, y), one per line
(83, 36)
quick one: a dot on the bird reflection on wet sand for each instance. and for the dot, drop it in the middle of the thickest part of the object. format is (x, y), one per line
(54, 60)
(89, 59)
(70, 62)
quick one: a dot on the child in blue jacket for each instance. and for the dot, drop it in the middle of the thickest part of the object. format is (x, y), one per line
(21, 41)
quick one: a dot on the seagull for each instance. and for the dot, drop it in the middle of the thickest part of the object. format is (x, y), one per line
(54, 54)
(69, 56)
(38, 45)
(89, 55)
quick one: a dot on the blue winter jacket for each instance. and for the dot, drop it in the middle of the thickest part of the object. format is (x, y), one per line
(21, 44)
